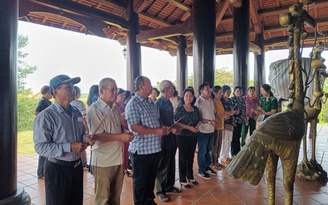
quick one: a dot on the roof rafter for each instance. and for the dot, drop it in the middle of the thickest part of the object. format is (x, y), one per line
(87, 11)
(220, 12)
(159, 33)
(284, 9)
(255, 17)
(180, 5)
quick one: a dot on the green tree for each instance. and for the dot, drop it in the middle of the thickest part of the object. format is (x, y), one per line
(26, 103)
(223, 76)
(23, 68)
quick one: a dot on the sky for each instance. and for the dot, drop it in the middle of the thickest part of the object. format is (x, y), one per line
(56, 51)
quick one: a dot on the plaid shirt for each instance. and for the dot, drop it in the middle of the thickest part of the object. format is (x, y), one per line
(144, 112)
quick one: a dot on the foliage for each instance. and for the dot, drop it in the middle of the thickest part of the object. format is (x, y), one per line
(25, 111)
(25, 102)
(323, 116)
(23, 68)
(223, 76)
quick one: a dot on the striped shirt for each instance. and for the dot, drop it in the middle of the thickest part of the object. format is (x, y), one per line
(144, 112)
(53, 131)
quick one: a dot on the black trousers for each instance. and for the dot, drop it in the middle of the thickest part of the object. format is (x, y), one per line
(166, 170)
(187, 146)
(144, 175)
(235, 143)
(63, 184)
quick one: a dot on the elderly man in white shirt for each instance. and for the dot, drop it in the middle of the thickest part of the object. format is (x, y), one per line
(106, 126)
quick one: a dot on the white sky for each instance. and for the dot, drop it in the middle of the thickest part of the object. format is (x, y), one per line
(57, 51)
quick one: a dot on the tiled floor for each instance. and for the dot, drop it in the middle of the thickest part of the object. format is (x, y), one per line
(218, 190)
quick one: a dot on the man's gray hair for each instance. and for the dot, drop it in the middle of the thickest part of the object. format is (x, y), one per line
(104, 82)
(138, 82)
(165, 84)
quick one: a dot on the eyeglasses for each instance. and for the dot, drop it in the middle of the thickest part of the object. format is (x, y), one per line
(111, 89)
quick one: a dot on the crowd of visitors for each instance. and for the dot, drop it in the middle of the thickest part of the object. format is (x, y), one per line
(137, 133)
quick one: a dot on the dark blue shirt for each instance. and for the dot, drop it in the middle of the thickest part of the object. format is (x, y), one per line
(165, 109)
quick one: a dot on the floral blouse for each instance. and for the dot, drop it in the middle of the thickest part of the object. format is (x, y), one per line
(187, 118)
(238, 103)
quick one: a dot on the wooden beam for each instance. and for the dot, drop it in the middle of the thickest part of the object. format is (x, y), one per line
(221, 11)
(284, 9)
(142, 15)
(180, 5)
(87, 11)
(255, 17)
(139, 5)
(159, 33)
(95, 26)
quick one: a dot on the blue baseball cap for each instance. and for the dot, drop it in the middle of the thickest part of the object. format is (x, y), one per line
(62, 79)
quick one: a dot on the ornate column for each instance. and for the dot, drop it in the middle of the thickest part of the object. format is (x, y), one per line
(241, 45)
(182, 67)
(259, 65)
(10, 192)
(204, 42)
(133, 63)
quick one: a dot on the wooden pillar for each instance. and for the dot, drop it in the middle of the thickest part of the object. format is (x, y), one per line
(259, 65)
(133, 67)
(241, 45)
(10, 192)
(182, 67)
(204, 42)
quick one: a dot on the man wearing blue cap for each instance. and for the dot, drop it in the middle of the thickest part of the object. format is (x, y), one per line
(59, 135)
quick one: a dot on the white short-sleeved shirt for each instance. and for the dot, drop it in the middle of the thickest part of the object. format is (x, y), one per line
(105, 154)
(207, 111)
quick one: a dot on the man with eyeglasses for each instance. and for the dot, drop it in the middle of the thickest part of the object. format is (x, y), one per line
(106, 125)
(59, 135)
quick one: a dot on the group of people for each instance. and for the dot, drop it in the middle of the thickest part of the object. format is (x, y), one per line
(143, 129)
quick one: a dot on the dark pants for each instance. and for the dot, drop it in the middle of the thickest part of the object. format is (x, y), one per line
(63, 184)
(235, 143)
(187, 146)
(40, 171)
(166, 170)
(205, 146)
(244, 130)
(144, 175)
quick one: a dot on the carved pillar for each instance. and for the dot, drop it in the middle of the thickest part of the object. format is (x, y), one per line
(10, 192)
(204, 42)
(241, 45)
(133, 63)
(259, 65)
(182, 67)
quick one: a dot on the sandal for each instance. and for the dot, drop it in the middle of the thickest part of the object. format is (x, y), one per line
(185, 185)
(162, 196)
(194, 182)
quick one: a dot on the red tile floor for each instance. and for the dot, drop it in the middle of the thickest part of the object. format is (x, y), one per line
(218, 190)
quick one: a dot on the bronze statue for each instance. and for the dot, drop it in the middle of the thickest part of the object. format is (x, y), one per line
(280, 135)
(312, 170)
